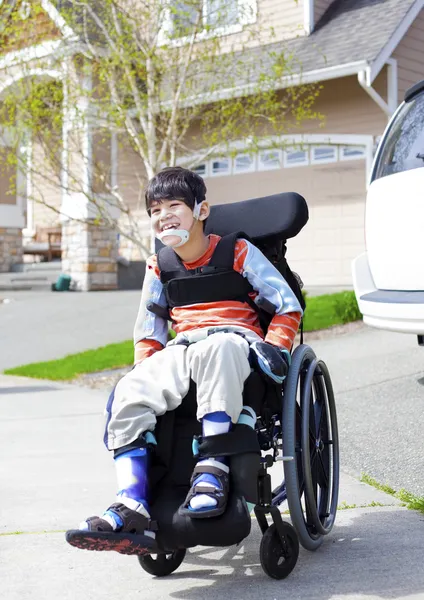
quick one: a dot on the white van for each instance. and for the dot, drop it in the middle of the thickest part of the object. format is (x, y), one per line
(389, 277)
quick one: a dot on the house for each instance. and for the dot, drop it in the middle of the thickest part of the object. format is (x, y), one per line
(365, 54)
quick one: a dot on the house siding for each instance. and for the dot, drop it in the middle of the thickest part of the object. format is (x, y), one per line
(276, 20)
(347, 108)
(410, 56)
(284, 16)
(320, 6)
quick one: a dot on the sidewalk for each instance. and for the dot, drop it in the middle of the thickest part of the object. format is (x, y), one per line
(55, 472)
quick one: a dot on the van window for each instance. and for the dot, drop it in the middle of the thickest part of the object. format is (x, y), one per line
(403, 145)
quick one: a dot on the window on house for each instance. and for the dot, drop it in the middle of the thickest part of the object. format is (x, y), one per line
(213, 14)
(220, 166)
(244, 163)
(323, 154)
(352, 152)
(293, 157)
(184, 16)
(269, 160)
(221, 13)
(201, 169)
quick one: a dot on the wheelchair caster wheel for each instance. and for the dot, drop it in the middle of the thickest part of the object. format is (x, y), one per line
(162, 564)
(279, 555)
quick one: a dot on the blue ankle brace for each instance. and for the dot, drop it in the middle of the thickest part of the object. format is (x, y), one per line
(131, 471)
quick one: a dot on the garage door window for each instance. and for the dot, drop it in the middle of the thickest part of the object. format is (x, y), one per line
(403, 146)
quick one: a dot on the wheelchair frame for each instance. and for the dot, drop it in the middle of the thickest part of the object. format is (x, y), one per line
(306, 434)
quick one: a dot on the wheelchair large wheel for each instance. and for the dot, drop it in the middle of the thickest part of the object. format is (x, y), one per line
(310, 435)
(162, 564)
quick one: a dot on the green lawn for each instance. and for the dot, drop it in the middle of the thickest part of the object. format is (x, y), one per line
(332, 309)
(107, 357)
(322, 312)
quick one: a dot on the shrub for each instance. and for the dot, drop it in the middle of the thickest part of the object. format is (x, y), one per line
(346, 307)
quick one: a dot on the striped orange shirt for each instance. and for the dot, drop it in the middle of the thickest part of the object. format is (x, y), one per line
(281, 331)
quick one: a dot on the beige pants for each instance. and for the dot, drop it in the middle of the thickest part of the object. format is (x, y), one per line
(219, 366)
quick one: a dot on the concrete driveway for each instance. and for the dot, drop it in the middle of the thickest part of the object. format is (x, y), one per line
(38, 326)
(377, 375)
(55, 472)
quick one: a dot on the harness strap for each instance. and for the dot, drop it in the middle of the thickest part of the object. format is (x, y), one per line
(241, 439)
(215, 282)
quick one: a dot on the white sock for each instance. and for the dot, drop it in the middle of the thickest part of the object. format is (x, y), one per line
(203, 500)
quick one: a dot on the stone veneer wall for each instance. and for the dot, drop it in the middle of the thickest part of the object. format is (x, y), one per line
(89, 254)
(10, 247)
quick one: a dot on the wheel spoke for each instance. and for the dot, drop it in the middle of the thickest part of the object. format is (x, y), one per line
(312, 421)
(324, 479)
(319, 413)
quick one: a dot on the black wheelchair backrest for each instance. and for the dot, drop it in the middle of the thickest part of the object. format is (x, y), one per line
(271, 218)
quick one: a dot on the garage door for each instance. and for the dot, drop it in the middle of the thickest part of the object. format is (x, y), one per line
(335, 192)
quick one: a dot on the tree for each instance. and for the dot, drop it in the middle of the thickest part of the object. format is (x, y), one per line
(166, 81)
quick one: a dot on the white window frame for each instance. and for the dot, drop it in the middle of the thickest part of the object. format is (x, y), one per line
(263, 167)
(361, 156)
(249, 15)
(291, 150)
(251, 168)
(221, 173)
(323, 161)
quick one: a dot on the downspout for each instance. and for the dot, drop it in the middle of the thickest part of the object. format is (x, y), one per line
(308, 16)
(364, 78)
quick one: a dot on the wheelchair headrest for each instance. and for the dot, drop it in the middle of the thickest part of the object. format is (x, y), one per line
(270, 218)
(266, 219)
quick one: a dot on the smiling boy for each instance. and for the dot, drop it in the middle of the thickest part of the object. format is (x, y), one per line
(211, 348)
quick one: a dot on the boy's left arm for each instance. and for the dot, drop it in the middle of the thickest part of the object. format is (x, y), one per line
(270, 285)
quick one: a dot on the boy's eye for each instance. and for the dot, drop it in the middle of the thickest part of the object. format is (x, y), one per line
(175, 204)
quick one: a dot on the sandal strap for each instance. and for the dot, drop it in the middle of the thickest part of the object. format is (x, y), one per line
(96, 523)
(132, 520)
(220, 494)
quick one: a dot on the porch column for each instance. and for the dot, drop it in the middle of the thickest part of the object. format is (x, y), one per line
(89, 242)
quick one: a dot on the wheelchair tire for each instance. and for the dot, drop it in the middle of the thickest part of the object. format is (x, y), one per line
(306, 370)
(320, 448)
(279, 556)
(164, 563)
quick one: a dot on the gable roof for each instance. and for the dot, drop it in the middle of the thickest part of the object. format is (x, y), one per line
(351, 31)
(352, 36)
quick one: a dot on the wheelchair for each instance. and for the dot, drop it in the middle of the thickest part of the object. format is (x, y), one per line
(296, 425)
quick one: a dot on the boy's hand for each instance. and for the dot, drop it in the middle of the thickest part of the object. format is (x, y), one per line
(145, 348)
(272, 361)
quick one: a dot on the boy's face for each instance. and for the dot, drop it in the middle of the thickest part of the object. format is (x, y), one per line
(169, 215)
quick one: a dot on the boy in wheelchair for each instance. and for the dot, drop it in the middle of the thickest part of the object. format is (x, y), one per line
(214, 306)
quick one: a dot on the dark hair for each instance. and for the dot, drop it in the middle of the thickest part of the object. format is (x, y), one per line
(176, 182)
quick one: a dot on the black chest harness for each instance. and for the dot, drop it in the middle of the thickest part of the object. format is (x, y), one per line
(215, 282)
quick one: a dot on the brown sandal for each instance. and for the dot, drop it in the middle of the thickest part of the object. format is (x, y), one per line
(134, 537)
(220, 494)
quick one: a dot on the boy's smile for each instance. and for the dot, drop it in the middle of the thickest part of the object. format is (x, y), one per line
(170, 214)
(189, 240)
